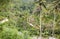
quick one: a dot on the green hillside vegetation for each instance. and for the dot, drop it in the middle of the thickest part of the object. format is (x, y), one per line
(21, 19)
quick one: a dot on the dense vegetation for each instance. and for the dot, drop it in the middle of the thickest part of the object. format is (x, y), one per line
(21, 19)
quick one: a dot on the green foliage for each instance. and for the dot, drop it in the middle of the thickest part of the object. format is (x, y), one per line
(21, 12)
(12, 33)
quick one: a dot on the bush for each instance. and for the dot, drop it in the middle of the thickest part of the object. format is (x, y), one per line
(12, 33)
